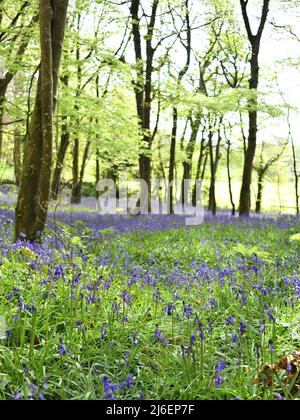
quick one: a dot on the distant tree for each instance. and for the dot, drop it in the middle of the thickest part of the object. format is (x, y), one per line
(262, 169)
(15, 36)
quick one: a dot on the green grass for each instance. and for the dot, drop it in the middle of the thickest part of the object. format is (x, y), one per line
(98, 342)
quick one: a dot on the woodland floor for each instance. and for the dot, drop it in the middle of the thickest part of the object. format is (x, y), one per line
(144, 307)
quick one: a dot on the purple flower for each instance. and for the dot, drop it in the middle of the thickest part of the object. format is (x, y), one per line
(263, 329)
(193, 340)
(110, 389)
(158, 336)
(243, 328)
(134, 339)
(271, 316)
(169, 309)
(106, 285)
(272, 347)
(128, 381)
(103, 332)
(220, 366)
(127, 297)
(219, 381)
(188, 311)
(63, 351)
(230, 321)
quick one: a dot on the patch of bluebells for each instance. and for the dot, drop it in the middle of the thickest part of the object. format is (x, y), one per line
(159, 337)
(220, 367)
(111, 389)
(95, 283)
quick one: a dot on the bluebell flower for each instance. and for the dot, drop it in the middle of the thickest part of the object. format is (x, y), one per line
(230, 321)
(243, 328)
(272, 347)
(219, 381)
(188, 311)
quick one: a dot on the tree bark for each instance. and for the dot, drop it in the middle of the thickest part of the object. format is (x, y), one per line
(61, 154)
(214, 162)
(255, 41)
(97, 172)
(229, 177)
(143, 87)
(188, 162)
(182, 73)
(17, 156)
(260, 186)
(34, 192)
(76, 188)
(296, 178)
(199, 167)
(76, 196)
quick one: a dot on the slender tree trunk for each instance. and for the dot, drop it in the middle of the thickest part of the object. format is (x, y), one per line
(76, 196)
(61, 154)
(260, 186)
(214, 163)
(296, 178)
(182, 73)
(83, 166)
(63, 147)
(34, 192)
(17, 156)
(198, 172)
(2, 101)
(172, 161)
(230, 178)
(97, 171)
(76, 188)
(212, 205)
(188, 162)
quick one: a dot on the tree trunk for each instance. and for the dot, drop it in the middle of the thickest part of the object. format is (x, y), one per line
(296, 178)
(143, 90)
(97, 172)
(2, 101)
(34, 192)
(198, 173)
(230, 178)
(214, 163)
(62, 151)
(17, 156)
(212, 205)
(188, 163)
(255, 41)
(172, 161)
(76, 195)
(182, 73)
(245, 198)
(64, 144)
(260, 186)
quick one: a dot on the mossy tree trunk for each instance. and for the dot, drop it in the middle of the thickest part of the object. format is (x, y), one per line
(34, 192)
